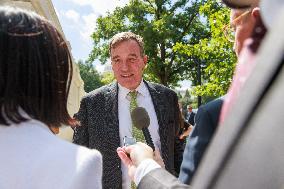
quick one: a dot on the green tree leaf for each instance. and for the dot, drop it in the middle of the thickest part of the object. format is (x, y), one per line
(89, 75)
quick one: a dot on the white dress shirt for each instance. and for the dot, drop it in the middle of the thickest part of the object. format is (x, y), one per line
(125, 124)
(144, 168)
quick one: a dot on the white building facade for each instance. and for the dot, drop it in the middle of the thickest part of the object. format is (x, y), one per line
(45, 8)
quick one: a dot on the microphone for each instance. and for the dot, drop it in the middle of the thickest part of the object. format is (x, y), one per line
(141, 120)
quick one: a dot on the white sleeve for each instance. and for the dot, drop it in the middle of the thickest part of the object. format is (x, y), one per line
(144, 168)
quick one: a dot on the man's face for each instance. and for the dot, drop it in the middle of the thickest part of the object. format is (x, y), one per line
(243, 28)
(128, 64)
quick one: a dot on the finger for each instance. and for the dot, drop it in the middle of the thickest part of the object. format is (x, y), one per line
(128, 149)
(120, 149)
(158, 158)
(124, 158)
(156, 153)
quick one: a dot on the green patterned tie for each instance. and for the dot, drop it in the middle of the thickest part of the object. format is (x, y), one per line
(136, 133)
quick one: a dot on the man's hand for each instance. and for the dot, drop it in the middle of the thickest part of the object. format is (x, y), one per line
(138, 152)
(158, 158)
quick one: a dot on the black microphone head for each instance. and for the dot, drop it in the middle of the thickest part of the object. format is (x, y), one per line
(140, 118)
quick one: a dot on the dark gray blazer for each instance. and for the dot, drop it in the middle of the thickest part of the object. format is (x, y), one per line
(99, 128)
(206, 121)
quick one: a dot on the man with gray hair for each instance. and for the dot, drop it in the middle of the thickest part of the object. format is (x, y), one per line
(105, 113)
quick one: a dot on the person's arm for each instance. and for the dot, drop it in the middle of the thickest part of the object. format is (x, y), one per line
(81, 134)
(196, 145)
(160, 178)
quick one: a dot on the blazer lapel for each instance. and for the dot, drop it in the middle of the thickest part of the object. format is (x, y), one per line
(160, 106)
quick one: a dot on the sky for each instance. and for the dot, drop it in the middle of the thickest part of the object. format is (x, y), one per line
(78, 21)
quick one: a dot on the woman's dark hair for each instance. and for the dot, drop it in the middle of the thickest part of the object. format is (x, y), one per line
(35, 69)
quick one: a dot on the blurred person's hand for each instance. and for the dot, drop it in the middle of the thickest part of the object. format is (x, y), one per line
(137, 153)
(186, 133)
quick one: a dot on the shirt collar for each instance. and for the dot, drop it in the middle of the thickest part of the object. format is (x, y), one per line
(141, 89)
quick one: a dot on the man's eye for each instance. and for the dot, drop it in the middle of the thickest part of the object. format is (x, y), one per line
(116, 60)
(132, 59)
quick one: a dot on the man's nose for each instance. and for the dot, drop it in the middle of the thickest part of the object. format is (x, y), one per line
(124, 65)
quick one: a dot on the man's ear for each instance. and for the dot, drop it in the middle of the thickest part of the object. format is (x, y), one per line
(145, 59)
(255, 12)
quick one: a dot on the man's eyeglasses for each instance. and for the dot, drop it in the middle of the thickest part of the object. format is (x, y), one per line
(230, 29)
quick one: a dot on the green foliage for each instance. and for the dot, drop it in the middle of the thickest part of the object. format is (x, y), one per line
(214, 53)
(90, 76)
(179, 95)
(162, 24)
(186, 99)
(107, 78)
(179, 37)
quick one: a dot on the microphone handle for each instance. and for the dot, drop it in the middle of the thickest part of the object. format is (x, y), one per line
(148, 138)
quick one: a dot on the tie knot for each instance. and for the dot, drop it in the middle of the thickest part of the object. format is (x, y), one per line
(133, 94)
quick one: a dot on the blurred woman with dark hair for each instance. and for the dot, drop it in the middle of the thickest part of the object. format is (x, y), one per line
(35, 77)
